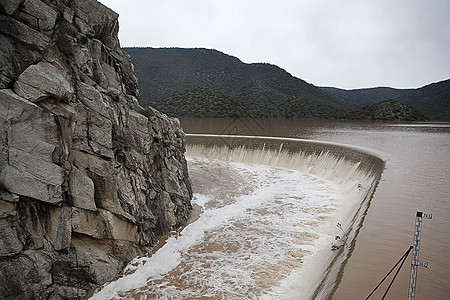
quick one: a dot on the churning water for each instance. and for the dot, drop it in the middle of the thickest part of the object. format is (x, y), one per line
(260, 228)
(265, 231)
(416, 178)
(269, 223)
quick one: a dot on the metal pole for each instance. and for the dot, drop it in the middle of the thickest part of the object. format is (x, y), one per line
(415, 254)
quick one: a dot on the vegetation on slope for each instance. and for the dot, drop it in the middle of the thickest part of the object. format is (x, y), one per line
(193, 82)
(366, 96)
(433, 100)
(208, 83)
(389, 110)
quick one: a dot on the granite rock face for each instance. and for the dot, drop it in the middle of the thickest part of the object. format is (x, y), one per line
(88, 177)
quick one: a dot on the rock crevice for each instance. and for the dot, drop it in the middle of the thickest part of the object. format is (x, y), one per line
(88, 177)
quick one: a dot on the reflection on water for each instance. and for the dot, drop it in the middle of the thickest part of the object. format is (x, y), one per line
(417, 178)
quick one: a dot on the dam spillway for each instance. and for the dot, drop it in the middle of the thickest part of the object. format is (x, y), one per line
(270, 210)
(354, 170)
(337, 163)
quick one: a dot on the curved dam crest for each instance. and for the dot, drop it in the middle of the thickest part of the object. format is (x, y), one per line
(355, 171)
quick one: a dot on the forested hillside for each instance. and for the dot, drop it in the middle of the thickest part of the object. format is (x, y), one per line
(203, 82)
(208, 83)
(366, 96)
(432, 100)
(389, 110)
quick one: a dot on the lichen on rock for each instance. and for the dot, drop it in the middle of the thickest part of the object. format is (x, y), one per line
(88, 178)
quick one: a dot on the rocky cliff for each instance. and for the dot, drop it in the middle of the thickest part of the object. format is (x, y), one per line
(88, 178)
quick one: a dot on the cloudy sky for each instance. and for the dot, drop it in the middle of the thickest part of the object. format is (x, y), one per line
(341, 43)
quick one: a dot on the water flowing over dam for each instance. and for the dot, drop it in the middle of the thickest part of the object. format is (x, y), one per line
(270, 210)
(354, 171)
(339, 164)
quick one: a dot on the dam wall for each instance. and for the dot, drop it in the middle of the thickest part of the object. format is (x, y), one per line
(354, 171)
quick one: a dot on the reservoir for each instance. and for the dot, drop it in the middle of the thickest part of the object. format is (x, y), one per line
(266, 212)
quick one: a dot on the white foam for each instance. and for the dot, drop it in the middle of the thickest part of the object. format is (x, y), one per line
(267, 244)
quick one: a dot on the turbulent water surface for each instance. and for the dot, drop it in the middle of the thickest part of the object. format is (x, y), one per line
(417, 178)
(265, 233)
(261, 232)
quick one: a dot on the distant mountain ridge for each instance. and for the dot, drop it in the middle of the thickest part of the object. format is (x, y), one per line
(366, 96)
(208, 83)
(433, 99)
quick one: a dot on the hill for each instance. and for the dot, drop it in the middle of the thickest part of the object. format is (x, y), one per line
(208, 83)
(389, 110)
(366, 96)
(433, 99)
(193, 82)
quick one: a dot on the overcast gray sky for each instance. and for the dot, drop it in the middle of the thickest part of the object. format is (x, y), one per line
(341, 43)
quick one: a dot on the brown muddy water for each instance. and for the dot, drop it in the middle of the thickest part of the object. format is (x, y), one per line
(416, 178)
(264, 227)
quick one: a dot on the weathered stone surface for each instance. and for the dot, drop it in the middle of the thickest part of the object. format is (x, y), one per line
(81, 188)
(45, 171)
(42, 81)
(95, 257)
(25, 184)
(7, 207)
(28, 143)
(92, 98)
(10, 243)
(26, 126)
(22, 33)
(10, 6)
(89, 223)
(100, 135)
(120, 229)
(88, 178)
(7, 196)
(25, 276)
(59, 227)
(103, 225)
(68, 14)
(94, 20)
(38, 15)
(14, 57)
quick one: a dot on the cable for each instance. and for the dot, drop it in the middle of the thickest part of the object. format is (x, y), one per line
(402, 258)
(396, 273)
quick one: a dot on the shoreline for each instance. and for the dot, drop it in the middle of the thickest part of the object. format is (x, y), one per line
(194, 215)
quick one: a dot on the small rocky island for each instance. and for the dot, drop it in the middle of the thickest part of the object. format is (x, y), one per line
(88, 178)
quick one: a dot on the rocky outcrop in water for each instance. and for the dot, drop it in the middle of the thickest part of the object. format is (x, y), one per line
(88, 178)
